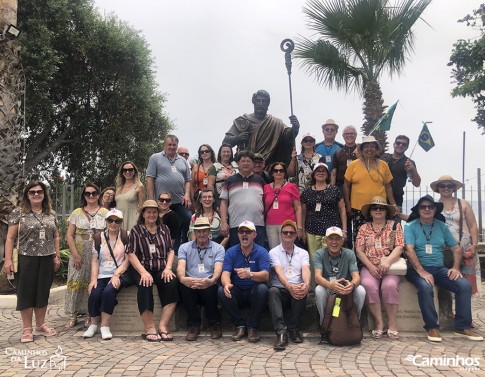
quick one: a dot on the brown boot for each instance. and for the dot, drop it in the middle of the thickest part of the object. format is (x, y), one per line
(216, 331)
(193, 334)
(239, 333)
(253, 336)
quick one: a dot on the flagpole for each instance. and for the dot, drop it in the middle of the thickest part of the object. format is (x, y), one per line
(411, 155)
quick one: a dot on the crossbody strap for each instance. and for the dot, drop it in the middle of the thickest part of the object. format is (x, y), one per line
(110, 249)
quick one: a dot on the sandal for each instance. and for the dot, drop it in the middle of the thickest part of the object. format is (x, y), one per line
(377, 334)
(151, 338)
(72, 322)
(44, 330)
(27, 335)
(166, 336)
(393, 334)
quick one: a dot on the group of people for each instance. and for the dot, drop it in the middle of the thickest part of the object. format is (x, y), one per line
(265, 226)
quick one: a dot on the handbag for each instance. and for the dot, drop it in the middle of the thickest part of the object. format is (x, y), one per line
(341, 321)
(399, 267)
(15, 251)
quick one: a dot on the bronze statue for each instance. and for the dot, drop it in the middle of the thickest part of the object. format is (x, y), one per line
(263, 133)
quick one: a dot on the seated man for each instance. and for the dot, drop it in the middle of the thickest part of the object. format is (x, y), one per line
(425, 237)
(199, 269)
(336, 273)
(290, 280)
(245, 272)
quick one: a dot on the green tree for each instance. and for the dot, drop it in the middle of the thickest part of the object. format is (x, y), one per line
(468, 62)
(91, 97)
(358, 40)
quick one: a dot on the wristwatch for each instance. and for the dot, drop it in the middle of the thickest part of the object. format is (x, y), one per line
(250, 275)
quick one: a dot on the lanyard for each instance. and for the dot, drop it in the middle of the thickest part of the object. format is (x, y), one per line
(334, 267)
(276, 193)
(201, 258)
(427, 236)
(41, 219)
(290, 258)
(247, 258)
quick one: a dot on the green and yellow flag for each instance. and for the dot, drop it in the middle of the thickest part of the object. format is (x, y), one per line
(425, 140)
(384, 124)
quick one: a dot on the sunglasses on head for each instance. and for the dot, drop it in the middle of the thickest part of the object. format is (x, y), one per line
(244, 231)
(427, 206)
(87, 194)
(377, 208)
(128, 170)
(289, 233)
(278, 170)
(36, 192)
(450, 186)
(401, 143)
(164, 200)
(116, 221)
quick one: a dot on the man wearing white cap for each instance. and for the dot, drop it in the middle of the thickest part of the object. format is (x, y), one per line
(244, 275)
(336, 272)
(290, 280)
(199, 269)
(328, 146)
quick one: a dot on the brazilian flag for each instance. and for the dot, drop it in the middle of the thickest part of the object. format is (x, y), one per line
(425, 140)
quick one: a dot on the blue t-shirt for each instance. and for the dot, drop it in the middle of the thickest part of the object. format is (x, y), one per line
(327, 152)
(258, 260)
(194, 256)
(415, 233)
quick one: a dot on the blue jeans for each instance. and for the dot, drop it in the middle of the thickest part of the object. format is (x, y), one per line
(184, 216)
(255, 297)
(259, 240)
(102, 298)
(460, 287)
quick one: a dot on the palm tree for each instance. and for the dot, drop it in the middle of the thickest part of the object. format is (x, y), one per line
(357, 41)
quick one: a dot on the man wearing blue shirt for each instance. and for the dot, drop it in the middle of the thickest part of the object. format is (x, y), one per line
(426, 237)
(328, 146)
(199, 269)
(245, 272)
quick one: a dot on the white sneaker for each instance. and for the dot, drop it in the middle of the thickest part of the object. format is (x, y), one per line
(106, 333)
(89, 333)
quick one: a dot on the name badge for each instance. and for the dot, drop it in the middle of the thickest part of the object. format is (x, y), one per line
(200, 267)
(318, 207)
(92, 224)
(110, 264)
(377, 244)
(42, 234)
(174, 169)
(152, 248)
(290, 271)
(429, 249)
(328, 159)
(348, 162)
(275, 204)
(245, 185)
(205, 181)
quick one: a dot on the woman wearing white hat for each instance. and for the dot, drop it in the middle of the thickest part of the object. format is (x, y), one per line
(463, 226)
(302, 165)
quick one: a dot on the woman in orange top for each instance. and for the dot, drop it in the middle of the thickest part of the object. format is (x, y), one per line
(200, 172)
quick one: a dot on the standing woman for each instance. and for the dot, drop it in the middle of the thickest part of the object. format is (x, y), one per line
(302, 164)
(130, 193)
(108, 198)
(206, 207)
(35, 226)
(151, 254)
(168, 217)
(462, 223)
(221, 170)
(84, 222)
(281, 203)
(200, 172)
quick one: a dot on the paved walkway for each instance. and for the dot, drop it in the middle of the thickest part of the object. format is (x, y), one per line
(128, 355)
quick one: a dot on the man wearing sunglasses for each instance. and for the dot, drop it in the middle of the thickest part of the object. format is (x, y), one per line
(328, 146)
(425, 238)
(290, 280)
(401, 168)
(245, 272)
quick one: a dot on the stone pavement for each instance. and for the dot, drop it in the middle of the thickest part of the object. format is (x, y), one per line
(129, 355)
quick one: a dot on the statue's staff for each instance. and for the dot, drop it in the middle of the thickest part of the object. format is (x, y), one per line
(287, 46)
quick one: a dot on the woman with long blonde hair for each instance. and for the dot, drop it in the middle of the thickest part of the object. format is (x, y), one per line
(130, 193)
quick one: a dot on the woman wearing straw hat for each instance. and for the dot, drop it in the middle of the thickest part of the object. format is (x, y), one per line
(463, 226)
(377, 239)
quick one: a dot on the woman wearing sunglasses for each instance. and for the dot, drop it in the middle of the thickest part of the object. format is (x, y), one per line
(200, 172)
(168, 217)
(33, 229)
(281, 202)
(108, 263)
(377, 238)
(462, 223)
(83, 222)
(302, 165)
(130, 193)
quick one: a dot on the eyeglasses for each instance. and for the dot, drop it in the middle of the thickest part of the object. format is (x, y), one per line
(87, 194)
(401, 143)
(205, 151)
(278, 170)
(36, 192)
(450, 186)
(350, 134)
(128, 170)
(207, 197)
(116, 221)
(259, 162)
(164, 200)
(108, 194)
(320, 171)
(183, 154)
(427, 206)
(289, 233)
(329, 130)
(378, 208)
(244, 231)
(308, 140)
